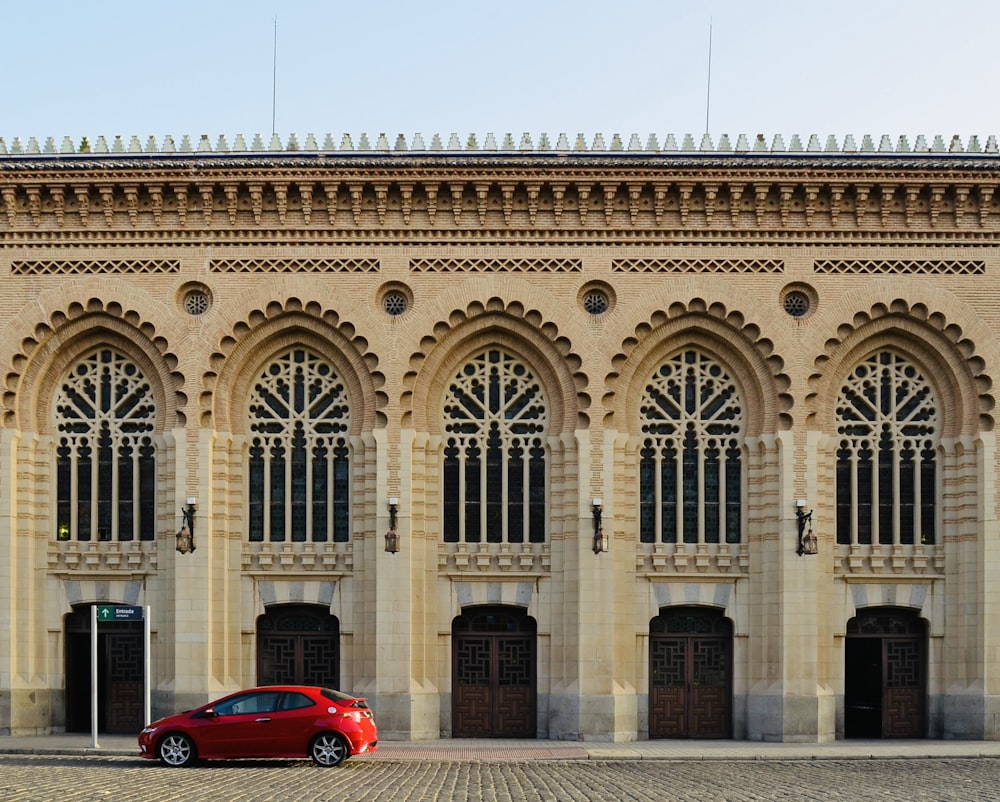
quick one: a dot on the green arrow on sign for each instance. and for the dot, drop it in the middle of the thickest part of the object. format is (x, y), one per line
(105, 612)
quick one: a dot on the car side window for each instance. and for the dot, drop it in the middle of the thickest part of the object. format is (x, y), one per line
(263, 702)
(295, 701)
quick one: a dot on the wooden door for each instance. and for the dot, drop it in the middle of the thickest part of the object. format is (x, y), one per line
(690, 671)
(494, 675)
(298, 644)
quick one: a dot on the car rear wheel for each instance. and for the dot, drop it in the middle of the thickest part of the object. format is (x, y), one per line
(176, 750)
(328, 750)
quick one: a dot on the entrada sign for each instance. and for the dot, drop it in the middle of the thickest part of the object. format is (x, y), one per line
(118, 612)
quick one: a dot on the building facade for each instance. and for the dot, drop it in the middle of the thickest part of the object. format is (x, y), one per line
(572, 441)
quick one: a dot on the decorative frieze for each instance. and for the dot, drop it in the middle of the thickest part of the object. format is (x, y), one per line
(287, 557)
(129, 558)
(65, 267)
(959, 267)
(282, 265)
(496, 265)
(501, 558)
(692, 558)
(697, 266)
(889, 560)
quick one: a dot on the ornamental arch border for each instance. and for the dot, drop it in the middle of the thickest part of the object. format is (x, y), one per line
(746, 355)
(264, 335)
(506, 326)
(45, 356)
(949, 361)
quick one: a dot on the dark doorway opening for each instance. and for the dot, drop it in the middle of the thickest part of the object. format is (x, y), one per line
(885, 659)
(119, 675)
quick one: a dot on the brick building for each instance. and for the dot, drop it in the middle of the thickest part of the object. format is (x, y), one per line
(569, 439)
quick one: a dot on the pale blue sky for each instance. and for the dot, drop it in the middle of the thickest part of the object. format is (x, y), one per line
(157, 67)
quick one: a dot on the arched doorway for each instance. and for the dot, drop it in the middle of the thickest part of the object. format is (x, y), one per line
(298, 644)
(690, 674)
(494, 690)
(885, 675)
(119, 674)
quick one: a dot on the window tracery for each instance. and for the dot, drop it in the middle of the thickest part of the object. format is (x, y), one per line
(886, 455)
(299, 470)
(691, 462)
(105, 455)
(495, 455)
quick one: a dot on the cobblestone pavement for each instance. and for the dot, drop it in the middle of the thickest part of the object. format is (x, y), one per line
(41, 778)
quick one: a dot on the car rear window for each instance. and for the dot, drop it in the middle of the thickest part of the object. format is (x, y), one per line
(343, 698)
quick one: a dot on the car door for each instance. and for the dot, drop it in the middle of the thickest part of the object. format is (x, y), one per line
(239, 726)
(293, 724)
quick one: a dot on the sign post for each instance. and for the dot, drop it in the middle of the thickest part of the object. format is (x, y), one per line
(109, 613)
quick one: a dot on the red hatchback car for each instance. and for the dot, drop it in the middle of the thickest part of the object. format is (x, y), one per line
(290, 721)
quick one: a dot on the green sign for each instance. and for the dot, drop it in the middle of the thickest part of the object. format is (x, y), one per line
(118, 612)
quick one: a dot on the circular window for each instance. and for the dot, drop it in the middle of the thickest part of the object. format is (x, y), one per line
(197, 302)
(596, 302)
(395, 303)
(796, 303)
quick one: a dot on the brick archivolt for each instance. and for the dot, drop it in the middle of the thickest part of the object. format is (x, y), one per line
(43, 358)
(264, 335)
(747, 357)
(508, 325)
(947, 359)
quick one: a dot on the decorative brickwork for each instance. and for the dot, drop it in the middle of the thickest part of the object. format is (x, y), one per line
(496, 265)
(71, 267)
(959, 267)
(697, 265)
(294, 265)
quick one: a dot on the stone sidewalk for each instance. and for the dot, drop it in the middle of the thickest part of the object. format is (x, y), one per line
(477, 750)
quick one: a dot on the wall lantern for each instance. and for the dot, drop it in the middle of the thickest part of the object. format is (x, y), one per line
(600, 539)
(185, 538)
(807, 540)
(392, 536)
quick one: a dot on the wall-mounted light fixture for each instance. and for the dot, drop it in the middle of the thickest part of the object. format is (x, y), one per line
(392, 536)
(600, 539)
(807, 540)
(185, 537)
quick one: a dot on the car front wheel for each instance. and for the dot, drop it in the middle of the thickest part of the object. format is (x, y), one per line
(328, 750)
(176, 750)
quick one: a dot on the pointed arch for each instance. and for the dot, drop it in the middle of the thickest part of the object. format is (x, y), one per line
(523, 335)
(746, 357)
(47, 355)
(267, 335)
(948, 360)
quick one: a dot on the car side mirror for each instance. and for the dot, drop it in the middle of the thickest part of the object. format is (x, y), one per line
(210, 712)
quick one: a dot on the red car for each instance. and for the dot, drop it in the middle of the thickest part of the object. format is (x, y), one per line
(290, 721)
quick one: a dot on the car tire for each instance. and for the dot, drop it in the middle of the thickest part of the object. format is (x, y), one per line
(176, 750)
(328, 750)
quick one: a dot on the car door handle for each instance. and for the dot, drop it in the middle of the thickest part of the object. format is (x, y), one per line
(262, 718)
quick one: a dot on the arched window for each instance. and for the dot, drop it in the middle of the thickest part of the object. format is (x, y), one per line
(691, 462)
(494, 456)
(299, 456)
(886, 461)
(105, 457)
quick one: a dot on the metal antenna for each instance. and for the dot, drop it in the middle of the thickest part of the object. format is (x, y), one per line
(274, 79)
(708, 92)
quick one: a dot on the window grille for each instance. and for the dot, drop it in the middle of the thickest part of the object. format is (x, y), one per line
(299, 457)
(886, 460)
(690, 461)
(495, 457)
(105, 456)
